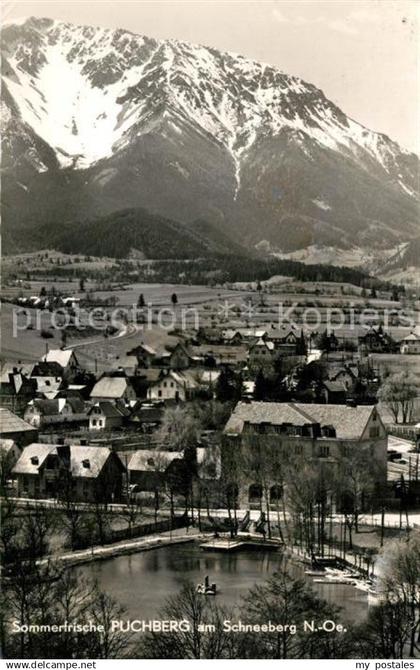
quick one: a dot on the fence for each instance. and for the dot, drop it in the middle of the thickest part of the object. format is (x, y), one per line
(117, 535)
(404, 431)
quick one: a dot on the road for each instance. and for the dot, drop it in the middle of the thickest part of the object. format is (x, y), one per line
(127, 331)
(391, 519)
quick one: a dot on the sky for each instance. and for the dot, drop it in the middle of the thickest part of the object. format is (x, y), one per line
(362, 53)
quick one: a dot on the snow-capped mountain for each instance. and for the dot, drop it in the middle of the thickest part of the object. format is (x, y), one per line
(94, 120)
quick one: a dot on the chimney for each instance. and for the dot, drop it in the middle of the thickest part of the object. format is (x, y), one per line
(34, 460)
(86, 463)
(83, 442)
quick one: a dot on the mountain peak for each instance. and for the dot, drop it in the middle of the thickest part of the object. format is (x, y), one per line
(127, 95)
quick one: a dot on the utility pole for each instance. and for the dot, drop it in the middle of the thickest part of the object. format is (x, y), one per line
(382, 525)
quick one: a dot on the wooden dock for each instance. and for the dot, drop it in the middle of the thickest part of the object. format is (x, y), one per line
(240, 543)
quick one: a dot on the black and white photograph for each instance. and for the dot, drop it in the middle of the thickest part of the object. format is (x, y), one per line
(210, 351)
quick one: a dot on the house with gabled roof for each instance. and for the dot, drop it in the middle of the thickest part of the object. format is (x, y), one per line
(347, 375)
(148, 468)
(176, 357)
(410, 344)
(16, 389)
(41, 412)
(107, 415)
(151, 469)
(113, 387)
(261, 354)
(147, 416)
(145, 355)
(321, 434)
(66, 359)
(49, 377)
(174, 385)
(231, 336)
(246, 335)
(286, 339)
(79, 472)
(377, 340)
(14, 428)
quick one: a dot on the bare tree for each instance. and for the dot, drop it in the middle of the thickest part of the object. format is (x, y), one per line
(285, 598)
(45, 594)
(193, 642)
(400, 584)
(357, 472)
(180, 429)
(103, 610)
(398, 393)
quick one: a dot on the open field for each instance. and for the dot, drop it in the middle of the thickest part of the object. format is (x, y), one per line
(47, 259)
(28, 345)
(212, 306)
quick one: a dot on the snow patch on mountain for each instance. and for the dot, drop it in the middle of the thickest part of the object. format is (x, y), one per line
(88, 91)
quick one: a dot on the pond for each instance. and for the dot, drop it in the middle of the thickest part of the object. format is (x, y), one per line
(142, 582)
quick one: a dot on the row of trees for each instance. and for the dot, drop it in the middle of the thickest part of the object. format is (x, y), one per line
(304, 494)
(141, 302)
(44, 594)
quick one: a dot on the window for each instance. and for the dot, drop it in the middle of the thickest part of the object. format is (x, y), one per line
(374, 431)
(255, 493)
(172, 385)
(324, 451)
(93, 422)
(159, 393)
(298, 449)
(275, 493)
(347, 451)
(165, 385)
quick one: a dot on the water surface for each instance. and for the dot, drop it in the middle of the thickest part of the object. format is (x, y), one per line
(142, 582)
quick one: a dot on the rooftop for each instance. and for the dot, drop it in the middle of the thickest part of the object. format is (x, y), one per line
(11, 423)
(349, 422)
(108, 409)
(60, 356)
(85, 461)
(149, 460)
(110, 387)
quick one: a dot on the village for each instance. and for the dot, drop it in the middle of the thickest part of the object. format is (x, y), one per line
(226, 427)
(197, 391)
